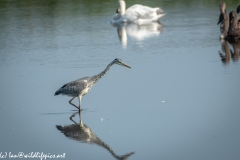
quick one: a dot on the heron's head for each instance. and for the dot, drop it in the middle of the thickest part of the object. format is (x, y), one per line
(120, 62)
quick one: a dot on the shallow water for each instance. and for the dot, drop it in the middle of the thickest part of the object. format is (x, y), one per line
(180, 99)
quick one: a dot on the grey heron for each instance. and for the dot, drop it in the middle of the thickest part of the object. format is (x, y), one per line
(82, 86)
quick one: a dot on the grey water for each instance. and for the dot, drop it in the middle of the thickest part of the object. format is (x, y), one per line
(180, 99)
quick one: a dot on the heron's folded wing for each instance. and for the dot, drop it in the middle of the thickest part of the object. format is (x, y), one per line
(73, 88)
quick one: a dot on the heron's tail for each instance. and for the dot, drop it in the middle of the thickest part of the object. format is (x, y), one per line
(57, 92)
(60, 90)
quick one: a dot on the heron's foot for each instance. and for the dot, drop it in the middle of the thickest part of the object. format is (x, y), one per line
(79, 111)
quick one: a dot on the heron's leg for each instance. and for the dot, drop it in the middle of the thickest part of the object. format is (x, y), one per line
(72, 103)
(80, 119)
(79, 99)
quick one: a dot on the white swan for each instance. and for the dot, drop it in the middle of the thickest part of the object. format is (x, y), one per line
(137, 13)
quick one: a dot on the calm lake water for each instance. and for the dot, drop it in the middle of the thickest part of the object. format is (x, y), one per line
(180, 99)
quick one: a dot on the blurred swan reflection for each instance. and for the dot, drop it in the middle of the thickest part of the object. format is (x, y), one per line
(82, 133)
(138, 32)
(227, 53)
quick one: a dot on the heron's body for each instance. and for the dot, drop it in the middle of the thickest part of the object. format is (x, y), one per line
(78, 87)
(82, 86)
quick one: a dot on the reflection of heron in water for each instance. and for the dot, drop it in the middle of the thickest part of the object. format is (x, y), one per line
(82, 133)
(138, 32)
(228, 53)
(82, 86)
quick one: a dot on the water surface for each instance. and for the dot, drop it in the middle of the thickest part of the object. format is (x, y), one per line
(180, 100)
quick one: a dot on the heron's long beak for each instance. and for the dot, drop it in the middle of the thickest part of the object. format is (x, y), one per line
(125, 65)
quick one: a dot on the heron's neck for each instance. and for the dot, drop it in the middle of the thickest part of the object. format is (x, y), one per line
(100, 75)
(122, 7)
(105, 70)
